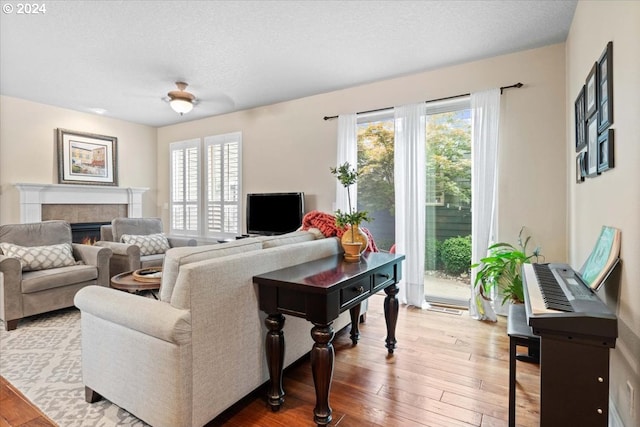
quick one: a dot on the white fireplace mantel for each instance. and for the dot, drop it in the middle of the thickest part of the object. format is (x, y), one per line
(33, 196)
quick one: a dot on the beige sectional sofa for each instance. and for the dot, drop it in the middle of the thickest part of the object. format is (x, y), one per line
(183, 359)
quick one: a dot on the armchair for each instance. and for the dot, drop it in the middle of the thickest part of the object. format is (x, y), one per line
(37, 276)
(130, 256)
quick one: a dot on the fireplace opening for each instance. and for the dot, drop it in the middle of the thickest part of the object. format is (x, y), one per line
(86, 232)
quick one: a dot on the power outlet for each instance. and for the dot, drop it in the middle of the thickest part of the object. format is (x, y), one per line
(630, 395)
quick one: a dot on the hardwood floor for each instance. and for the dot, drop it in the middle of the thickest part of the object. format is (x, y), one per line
(448, 370)
(17, 411)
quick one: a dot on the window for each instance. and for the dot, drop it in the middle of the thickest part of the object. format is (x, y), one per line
(223, 184)
(185, 187)
(206, 186)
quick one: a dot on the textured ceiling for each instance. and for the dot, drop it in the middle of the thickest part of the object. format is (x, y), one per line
(124, 56)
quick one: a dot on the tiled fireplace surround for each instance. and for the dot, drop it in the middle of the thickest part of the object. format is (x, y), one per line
(78, 204)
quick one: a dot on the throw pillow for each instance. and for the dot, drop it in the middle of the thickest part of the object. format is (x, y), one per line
(149, 244)
(34, 258)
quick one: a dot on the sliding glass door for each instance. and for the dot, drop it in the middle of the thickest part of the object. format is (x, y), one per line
(448, 198)
(448, 207)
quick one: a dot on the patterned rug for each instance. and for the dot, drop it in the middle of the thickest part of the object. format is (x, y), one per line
(42, 359)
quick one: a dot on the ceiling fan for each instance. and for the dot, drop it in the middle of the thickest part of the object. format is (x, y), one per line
(180, 100)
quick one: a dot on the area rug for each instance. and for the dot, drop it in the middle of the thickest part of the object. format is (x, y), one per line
(42, 359)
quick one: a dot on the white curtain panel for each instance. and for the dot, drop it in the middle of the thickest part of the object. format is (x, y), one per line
(410, 175)
(347, 152)
(485, 107)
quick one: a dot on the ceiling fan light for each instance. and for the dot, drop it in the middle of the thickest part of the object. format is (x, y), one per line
(181, 101)
(181, 106)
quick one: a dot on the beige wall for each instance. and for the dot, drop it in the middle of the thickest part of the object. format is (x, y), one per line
(28, 150)
(612, 198)
(288, 147)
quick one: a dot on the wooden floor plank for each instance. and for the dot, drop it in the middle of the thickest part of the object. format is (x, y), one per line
(18, 411)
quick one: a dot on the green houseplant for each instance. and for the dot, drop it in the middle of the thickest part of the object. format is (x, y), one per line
(503, 269)
(347, 176)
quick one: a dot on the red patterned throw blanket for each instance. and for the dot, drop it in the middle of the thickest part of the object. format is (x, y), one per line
(326, 223)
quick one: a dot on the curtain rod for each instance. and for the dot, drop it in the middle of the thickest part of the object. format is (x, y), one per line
(517, 85)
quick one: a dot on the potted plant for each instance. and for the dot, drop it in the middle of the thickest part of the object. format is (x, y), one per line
(354, 241)
(503, 269)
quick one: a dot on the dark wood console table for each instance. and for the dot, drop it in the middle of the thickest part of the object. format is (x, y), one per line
(319, 291)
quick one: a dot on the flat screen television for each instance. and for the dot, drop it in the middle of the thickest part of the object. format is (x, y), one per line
(274, 213)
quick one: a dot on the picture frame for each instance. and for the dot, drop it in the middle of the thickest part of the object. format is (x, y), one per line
(605, 88)
(592, 146)
(579, 109)
(605, 151)
(580, 171)
(86, 158)
(591, 93)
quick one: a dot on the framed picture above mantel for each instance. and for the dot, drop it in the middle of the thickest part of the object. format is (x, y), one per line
(87, 158)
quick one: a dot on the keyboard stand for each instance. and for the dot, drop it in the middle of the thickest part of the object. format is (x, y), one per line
(520, 334)
(518, 329)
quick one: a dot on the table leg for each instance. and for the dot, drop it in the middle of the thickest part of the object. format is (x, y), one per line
(355, 321)
(322, 369)
(274, 346)
(391, 306)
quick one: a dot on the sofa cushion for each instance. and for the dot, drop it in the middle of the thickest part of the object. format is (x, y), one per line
(36, 233)
(33, 258)
(34, 281)
(137, 226)
(149, 244)
(175, 257)
(286, 239)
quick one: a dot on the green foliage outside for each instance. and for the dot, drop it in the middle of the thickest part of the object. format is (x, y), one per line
(449, 156)
(455, 254)
(448, 161)
(375, 166)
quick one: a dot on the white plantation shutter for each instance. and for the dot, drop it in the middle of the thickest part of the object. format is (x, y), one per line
(223, 182)
(206, 188)
(185, 186)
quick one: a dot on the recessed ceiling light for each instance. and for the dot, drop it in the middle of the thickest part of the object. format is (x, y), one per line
(100, 111)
